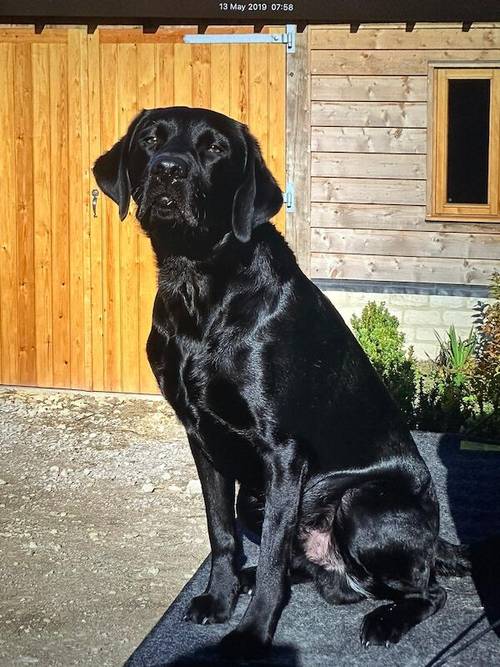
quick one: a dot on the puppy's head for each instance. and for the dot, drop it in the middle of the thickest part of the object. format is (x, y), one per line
(192, 170)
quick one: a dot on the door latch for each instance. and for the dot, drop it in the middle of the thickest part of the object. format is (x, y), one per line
(95, 197)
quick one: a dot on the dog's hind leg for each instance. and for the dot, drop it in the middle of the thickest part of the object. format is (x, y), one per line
(388, 623)
(334, 587)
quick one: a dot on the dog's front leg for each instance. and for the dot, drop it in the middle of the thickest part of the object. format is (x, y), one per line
(285, 470)
(217, 602)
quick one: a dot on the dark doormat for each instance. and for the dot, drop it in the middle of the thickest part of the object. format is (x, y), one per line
(312, 633)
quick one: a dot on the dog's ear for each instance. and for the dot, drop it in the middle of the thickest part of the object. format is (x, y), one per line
(111, 170)
(259, 197)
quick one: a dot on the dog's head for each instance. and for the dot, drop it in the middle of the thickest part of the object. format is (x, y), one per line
(192, 170)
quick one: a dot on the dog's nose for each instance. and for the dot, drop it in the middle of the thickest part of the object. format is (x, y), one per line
(170, 167)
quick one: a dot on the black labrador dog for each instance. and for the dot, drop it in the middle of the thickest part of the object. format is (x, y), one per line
(274, 392)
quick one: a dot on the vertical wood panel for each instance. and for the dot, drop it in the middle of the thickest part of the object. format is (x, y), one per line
(8, 232)
(59, 212)
(128, 230)
(110, 133)
(96, 223)
(238, 83)
(219, 78)
(42, 167)
(147, 75)
(76, 172)
(183, 75)
(23, 120)
(201, 76)
(277, 122)
(164, 75)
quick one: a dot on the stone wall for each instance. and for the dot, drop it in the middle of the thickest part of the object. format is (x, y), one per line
(420, 315)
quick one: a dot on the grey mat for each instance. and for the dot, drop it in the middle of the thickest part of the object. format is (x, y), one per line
(312, 633)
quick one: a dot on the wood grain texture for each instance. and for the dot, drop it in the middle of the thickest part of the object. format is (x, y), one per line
(372, 191)
(452, 37)
(369, 114)
(406, 269)
(42, 166)
(9, 339)
(368, 165)
(410, 244)
(402, 217)
(390, 62)
(369, 88)
(369, 140)
(23, 124)
(298, 149)
(59, 155)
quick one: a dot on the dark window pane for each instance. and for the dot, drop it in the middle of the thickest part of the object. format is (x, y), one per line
(468, 140)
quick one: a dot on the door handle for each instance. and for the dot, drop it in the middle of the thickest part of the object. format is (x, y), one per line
(95, 197)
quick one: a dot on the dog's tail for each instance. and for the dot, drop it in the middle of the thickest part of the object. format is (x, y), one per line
(452, 560)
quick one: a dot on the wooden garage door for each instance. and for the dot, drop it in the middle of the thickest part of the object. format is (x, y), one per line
(76, 290)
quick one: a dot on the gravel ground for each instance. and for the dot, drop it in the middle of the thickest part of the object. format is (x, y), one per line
(101, 524)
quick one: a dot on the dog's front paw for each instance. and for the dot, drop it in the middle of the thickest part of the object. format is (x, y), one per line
(244, 644)
(209, 608)
(382, 627)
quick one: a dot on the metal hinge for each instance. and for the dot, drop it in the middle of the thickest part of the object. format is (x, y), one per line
(287, 38)
(289, 198)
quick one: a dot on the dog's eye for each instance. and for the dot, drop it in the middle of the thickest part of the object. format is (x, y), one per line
(214, 148)
(150, 141)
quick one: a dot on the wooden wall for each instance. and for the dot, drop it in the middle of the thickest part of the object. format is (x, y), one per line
(368, 107)
(76, 291)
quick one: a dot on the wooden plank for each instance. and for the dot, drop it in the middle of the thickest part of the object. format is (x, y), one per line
(368, 191)
(164, 84)
(97, 222)
(369, 88)
(201, 75)
(276, 101)
(452, 37)
(259, 72)
(19, 35)
(23, 124)
(136, 35)
(75, 212)
(110, 132)
(388, 216)
(238, 92)
(59, 214)
(407, 269)
(42, 167)
(389, 62)
(183, 75)
(8, 229)
(369, 114)
(220, 78)
(407, 244)
(128, 288)
(298, 147)
(146, 85)
(369, 140)
(368, 165)
(85, 210)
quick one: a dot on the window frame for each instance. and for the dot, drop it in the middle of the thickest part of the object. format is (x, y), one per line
(437, 143)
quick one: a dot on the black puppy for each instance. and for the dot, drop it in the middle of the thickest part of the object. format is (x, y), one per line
(273, 390)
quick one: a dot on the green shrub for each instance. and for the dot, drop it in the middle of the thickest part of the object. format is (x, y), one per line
(379, 335)
(444, 400)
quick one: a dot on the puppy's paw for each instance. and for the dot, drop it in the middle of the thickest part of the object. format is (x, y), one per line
(247, 580)
(382, 627)
(208, 608)
(244, 644)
